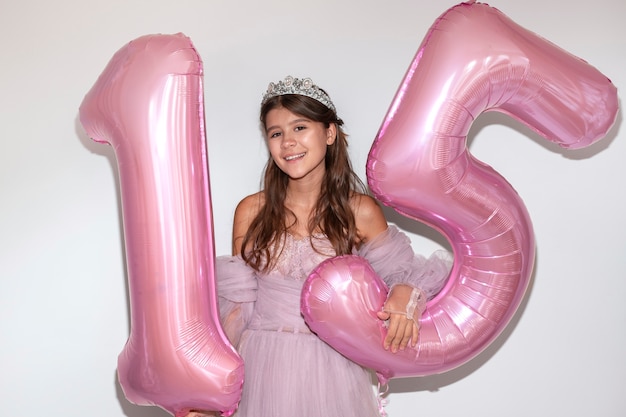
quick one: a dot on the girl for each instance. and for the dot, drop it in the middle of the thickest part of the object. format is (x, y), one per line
(312, 207)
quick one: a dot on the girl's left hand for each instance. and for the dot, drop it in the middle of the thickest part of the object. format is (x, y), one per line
(400, 330)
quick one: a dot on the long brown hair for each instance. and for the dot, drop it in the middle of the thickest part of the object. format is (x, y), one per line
(332, 214)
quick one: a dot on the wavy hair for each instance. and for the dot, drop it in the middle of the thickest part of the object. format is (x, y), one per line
(332, 214)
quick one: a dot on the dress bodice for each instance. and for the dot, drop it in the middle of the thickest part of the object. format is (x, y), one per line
(297, 257)
(278, 299)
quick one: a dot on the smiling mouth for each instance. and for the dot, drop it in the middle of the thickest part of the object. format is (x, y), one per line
(292, 157)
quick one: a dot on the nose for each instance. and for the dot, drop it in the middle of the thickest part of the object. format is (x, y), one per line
(288, 141)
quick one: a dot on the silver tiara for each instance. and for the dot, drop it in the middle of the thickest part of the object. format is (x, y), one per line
(303, 87)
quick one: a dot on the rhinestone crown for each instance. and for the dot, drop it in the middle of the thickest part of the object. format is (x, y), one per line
(303, 87)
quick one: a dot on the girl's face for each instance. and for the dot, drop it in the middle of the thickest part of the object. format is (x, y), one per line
(297, 144)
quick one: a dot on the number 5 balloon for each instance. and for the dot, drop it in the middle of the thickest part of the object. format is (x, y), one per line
(473, 59)
(148, 104)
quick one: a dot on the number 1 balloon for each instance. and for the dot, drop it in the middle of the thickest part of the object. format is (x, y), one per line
(148, 104)
(473, 59)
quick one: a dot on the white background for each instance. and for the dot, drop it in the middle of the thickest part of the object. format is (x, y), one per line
(63, 300)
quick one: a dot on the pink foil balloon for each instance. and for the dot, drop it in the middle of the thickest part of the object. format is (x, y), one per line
(473, 59)
(148, 104)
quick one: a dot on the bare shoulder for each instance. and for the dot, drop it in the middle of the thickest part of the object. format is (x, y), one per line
(250, 205)
(246, 211)
(369, 217)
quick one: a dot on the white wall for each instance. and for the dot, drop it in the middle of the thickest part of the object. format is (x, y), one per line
(63, 300)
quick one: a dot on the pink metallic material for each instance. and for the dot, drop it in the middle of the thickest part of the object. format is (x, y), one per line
(148, 105)
(473, 59)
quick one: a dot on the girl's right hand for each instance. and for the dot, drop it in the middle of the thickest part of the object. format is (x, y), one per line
(202, 414)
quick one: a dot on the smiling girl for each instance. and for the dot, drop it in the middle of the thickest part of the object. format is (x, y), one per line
(312, 207)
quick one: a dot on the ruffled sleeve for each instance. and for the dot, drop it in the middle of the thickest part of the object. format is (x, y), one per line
(391, 256)
(237, 292)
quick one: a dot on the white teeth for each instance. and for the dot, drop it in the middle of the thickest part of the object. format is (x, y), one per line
(292, 157)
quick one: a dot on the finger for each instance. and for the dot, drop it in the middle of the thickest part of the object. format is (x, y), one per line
(392, 331)
(383, 315)
(402, 333)
(415, 334)
(407, 325)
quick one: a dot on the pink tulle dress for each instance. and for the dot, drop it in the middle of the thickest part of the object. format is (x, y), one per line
(289, 371)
